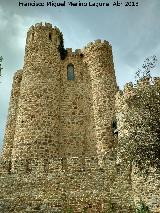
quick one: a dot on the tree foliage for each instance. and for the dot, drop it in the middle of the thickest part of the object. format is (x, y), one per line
(141, 143)
(144, 127)
(142, 208)
(147, 66)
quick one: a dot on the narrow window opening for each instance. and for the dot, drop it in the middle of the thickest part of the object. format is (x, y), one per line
(114, 124)
(28, 169)
(9, 167)
(114, 127)
(89, 205)
(32, 36)
(81, 76)
(46, 165)
(70, 72)
(50, 36)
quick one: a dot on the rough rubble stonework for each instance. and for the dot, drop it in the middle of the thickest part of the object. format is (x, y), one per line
(138, 116)
(59, 151)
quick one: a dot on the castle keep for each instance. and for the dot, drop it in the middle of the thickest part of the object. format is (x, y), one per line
(60, 142)
(58, 106)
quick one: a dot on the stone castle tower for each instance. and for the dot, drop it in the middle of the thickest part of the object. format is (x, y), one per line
(62, 105)
(61, 153)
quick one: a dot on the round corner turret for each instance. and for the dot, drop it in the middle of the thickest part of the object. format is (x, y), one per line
(42, 41)
(99, 62)
(43, 34)
(97, 43)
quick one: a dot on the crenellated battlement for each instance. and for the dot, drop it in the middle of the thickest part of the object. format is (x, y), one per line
(42, 35)
(63, 105)
(131, 90)
(41, 25)
(53, 165)
(74, 54)
(96, 43)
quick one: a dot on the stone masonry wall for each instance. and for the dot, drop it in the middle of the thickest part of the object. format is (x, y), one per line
(57, 117)
(137, 120)
(98, 57)
(146, 188)
(75, 109)
(86, 189)
(60, 151)
(11, 121)
(37, 127)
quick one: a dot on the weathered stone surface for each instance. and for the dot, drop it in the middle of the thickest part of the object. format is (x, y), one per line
(60, 151)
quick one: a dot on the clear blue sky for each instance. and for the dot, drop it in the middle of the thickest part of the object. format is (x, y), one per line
(133, 32)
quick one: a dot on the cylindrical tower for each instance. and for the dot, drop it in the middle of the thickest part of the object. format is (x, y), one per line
(98, 56)
(37, 125)
(11, 120)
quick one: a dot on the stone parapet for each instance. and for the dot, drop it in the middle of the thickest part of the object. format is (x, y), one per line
(55, 165)
(12, 116)
(143, 84)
